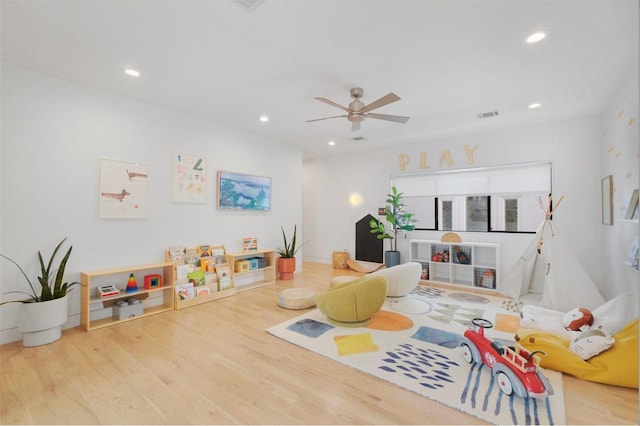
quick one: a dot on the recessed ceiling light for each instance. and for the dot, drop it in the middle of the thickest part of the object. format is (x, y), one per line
(535, 105)
(131, 72)
(331, 143)
(264, 118)
(535, 37)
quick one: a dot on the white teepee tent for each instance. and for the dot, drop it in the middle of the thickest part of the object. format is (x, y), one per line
(549, 274)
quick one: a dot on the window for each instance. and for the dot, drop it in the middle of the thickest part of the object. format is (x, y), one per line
(511, 215)
(477, 214)
(487, 199)
(447, 215)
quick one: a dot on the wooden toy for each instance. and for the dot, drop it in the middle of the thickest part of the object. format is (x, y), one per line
(152, 281)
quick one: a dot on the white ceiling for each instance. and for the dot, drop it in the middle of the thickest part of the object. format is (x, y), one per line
(448, 60)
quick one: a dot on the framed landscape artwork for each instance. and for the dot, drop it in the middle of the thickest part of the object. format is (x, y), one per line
(123, 190)
(238, 191)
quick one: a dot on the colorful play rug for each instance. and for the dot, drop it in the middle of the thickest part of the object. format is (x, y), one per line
(414, 341)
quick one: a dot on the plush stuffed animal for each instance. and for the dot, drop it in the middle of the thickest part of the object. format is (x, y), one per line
(578, 319)
(590, 343)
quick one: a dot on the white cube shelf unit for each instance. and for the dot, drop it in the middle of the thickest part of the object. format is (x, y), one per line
(466, 264)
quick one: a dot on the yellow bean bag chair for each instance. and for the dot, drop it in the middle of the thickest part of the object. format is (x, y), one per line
(352, 304)
(617, 365)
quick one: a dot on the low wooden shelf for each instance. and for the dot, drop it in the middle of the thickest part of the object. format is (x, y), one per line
(96, 312)
(215, 294)
(255, 277)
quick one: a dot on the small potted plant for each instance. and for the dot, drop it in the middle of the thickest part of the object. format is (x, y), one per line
(287, 259)
(400, 221)
(42, 315)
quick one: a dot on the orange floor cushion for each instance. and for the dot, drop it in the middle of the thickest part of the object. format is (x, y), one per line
(615, 366)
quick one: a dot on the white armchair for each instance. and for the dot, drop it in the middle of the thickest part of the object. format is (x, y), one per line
(401, 278)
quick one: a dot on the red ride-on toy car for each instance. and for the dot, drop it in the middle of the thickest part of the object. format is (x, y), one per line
(515, 369)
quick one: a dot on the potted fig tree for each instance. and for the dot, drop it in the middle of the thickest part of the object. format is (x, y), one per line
(43, 313)
(287, 259)
(399, 221)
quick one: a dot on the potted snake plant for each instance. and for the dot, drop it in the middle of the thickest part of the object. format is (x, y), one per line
(287, 259)
(43, 313)
(400, 221)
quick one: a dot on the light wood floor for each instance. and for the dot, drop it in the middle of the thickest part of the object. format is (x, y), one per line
(215, 364)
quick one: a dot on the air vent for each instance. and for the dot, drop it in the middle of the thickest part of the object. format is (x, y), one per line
(248, 4)
(488, 114)
(359, 139)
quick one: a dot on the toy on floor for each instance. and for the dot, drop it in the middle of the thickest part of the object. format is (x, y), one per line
(516, 369)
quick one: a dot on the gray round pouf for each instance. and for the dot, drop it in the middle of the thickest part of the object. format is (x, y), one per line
(296, 298)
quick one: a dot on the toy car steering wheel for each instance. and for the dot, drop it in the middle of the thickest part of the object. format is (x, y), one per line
(535, 352)
(482, 323)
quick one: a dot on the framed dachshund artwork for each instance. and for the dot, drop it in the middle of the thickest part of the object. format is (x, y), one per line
(123, 190)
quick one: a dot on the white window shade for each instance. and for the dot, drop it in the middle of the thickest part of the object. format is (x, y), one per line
(511, 179)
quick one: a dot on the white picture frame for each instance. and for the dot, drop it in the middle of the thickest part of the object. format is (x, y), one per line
(189, 183)
(123, 189)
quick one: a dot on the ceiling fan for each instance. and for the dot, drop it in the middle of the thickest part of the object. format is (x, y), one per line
(358, 111)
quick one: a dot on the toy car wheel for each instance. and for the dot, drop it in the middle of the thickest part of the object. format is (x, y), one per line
(466, 353)
(505, 383)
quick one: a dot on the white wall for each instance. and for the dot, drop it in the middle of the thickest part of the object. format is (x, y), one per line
(573, 146)
(620, 152)
(53, 136)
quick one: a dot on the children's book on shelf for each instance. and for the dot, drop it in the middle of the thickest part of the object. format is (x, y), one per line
(185, 291)
(203, 290)
(211, 279)
(224, 276)
(176, 253)
(197, 278)
(183, 271)
(204, 250)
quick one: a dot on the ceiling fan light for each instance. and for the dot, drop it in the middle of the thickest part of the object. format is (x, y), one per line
(356, 105)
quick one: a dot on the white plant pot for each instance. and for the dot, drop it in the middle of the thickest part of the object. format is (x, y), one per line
(41, 323)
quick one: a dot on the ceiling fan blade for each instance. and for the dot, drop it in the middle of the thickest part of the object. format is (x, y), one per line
(355, 125)
(327, 101)
(394, 118)
(385, 100)
(326, 118)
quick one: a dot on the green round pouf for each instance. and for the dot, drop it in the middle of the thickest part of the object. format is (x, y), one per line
(296, 298)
